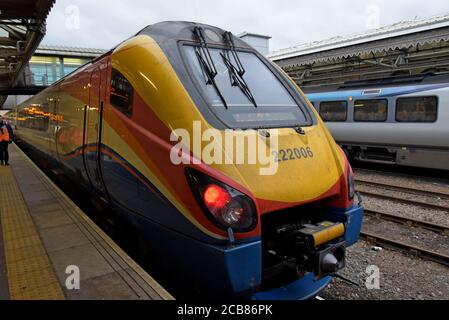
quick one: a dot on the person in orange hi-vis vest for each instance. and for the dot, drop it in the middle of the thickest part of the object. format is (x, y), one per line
(6, 137)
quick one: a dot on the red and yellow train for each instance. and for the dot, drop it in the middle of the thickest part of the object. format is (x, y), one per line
(226, 228)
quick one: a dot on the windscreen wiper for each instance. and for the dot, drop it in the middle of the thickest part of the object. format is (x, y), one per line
(207, 64)
(236, 72)
(237, 79)
(230, 40)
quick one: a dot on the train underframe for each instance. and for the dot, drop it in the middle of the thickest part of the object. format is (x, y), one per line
(422, 157)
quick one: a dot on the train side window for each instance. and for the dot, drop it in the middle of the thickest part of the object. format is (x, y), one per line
(371, 110)
(334, 110)
(416, 109)
(121, 95)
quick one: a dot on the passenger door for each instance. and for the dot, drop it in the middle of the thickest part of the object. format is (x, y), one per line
(93, 114)
(54, 123)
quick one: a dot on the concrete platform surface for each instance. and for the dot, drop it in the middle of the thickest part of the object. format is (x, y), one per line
(45, 239)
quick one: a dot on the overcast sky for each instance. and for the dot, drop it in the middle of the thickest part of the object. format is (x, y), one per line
(104, 23)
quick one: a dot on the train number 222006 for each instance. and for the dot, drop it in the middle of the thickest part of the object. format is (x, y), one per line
(292, 154)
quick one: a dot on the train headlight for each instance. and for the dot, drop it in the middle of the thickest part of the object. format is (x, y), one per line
(224, 206)
(235, 212)
(351, 183)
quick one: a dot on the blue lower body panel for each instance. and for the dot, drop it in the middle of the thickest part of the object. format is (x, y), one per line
(214, 270)
(352, 218)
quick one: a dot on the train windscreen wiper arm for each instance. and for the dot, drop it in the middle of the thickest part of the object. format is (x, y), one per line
(237, 79)
(207, 64)
(228, 38)
(236, 73)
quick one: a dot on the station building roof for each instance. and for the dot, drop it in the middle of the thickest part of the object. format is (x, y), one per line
(25, 9)
(49, 50)
(387, 32)
(22, 27)
(404, 48)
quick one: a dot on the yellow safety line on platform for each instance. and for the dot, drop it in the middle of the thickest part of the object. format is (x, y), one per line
(30, 273)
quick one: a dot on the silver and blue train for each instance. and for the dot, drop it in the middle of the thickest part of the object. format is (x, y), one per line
(404, 124)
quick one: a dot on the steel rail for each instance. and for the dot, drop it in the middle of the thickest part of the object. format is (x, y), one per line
(405, 247)
(404, 189)
(405, 201)
(408, 221)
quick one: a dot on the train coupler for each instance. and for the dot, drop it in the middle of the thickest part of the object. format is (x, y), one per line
(318, 248)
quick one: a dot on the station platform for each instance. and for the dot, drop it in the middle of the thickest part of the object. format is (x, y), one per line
(45, 238)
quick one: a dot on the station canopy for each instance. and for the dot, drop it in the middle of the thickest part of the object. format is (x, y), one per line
(415, 48)
(22, 27)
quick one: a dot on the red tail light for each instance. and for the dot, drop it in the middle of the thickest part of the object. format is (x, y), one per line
(225, 206)
(215, 196)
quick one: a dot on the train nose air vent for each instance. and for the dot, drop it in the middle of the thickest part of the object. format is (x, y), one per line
(371, 92)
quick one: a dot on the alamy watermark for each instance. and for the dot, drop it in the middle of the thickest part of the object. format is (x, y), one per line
(372, 17)
(212, 146)
(373, 279)
(72, 17)
(72, 282)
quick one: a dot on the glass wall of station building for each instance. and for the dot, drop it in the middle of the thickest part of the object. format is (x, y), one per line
(45, 70)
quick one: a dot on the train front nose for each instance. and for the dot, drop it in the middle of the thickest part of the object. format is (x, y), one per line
(307, 220)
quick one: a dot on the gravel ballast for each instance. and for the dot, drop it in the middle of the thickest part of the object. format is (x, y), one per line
(401, 276)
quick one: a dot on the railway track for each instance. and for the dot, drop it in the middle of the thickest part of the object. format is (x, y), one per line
(405, 247)
(405, 201)
(426, 193)
(400, 245)
(408, 221)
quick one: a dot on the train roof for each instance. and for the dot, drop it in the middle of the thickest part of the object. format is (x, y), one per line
(375, 92)
(174, 31)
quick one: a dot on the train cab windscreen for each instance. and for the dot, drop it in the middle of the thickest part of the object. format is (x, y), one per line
(254, 99)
